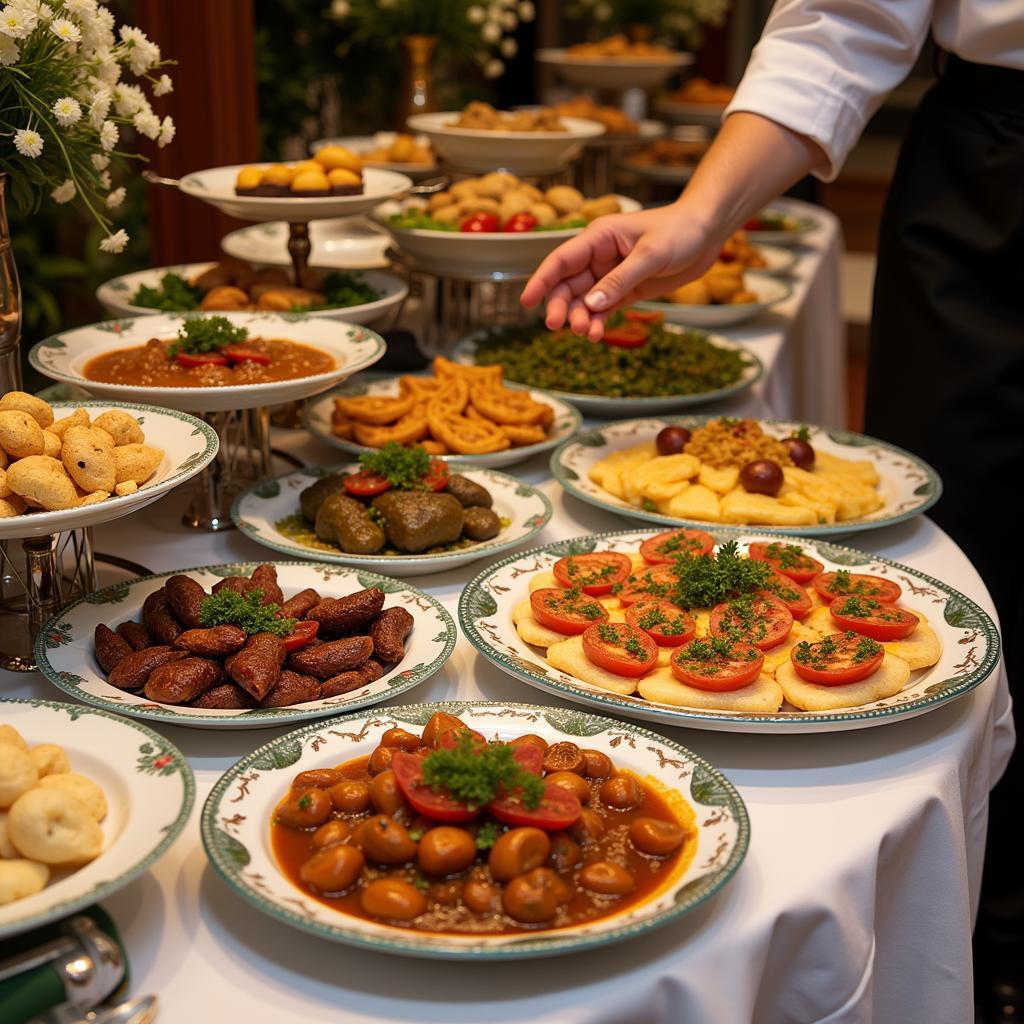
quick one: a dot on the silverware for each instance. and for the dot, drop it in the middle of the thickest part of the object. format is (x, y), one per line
(155, 179)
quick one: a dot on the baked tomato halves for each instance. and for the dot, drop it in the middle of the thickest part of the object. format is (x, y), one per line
(595, 573)
(837, 659)
(718, 664)
(620, 648)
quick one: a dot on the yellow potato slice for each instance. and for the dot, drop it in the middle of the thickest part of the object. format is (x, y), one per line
(921, 649)
(863, 469)
(568, 656)
(696, 502)
(530, 630)
(740, 506)
(888, 679)
(779, 655)
(721, 481)
(539, 580)
(762, 696)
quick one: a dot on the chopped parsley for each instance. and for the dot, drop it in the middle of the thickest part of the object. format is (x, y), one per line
(707, 655)
(648, 506)
(487, 835)
(581, 579)
(305, 802)
(403, 467)
(246, 611)
(621, 636)
(567, 602)
(477, 774)
(802, 433)
(666, 626)
(702, 581)
(744, 620)
(824, 654)
(789, 556)
(206, 334)
(174, 295)
(865, 608)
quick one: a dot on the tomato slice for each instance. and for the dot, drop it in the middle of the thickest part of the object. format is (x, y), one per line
(594, 573)
(436, 804)
(191, 359)
(663, 547)
(301, 635)
(831, 585)
(793, 596)
(527, 756)
(627, 335)
(757, 619)
(481, 222)
(837, 659)
(241, 354)
(664, 623)
(620, 648)
(876, 619)
(558, 809)
(789, 559)
(566, 611)
(366, 484)
(644, 316)
(658, 582)
(717, 664)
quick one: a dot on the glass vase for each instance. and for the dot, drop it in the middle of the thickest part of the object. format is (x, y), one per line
(419, 91)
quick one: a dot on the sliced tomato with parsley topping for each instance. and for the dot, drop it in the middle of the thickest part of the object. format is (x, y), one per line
(664, 623)
(301, 635)
(650, 584)
(244, 354)
(595, 573)
(789, 559)
(717, 664)
(644, 316)
(627, 335)
(837, 659)
(831, 585)
(876, 619)
(366, 484)
(566, 611)
(436, 804)
(793, 596)
(192, 359)
(437, 477)
(558, 809)
(663, 547)
(620, 648)
(757, 619)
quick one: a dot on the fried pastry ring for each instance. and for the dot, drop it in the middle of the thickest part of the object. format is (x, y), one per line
(531, 433)
(463, 435)
(375, 409)
(445, 369)
(503, 405)
(410, 428)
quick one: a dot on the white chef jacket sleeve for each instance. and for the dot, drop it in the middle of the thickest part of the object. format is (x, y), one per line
(823, 67)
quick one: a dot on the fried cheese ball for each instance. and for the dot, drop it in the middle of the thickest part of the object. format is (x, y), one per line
(20, 434)
(8, 734)
(24, 402)
(123, 428)
(88, 457)
(21, 878)
(79, 418)
(80, 787)
(51, 444)
(49, 758)
(11, 506)
(7, 850)
(50, 825)
(42, 482)
(136, 462)
(18, 773)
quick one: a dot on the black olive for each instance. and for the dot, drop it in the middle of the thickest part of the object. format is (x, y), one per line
(800, 452)
(671, 440)
(762, 477)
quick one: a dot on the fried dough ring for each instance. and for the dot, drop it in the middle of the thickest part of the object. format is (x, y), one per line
(453, 396)
(463, 435)
(445, 369)
(531, 433)
(376, 410)
(424, 388)
(503, 405)
(407, 430)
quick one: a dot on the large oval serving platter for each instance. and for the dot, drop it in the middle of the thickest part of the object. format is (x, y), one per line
(770, 291)
(189, 447)
(149, 789)
(257, 511)
(63, 357)
(64, 646)
(909, 486)
(238, 842)
(969, 639)
(316, 418)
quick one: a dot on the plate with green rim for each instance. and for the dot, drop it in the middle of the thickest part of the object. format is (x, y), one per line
(262, 513)
(799, 227)
(238, 844)
(65, 656)
(149, 789)
(968, 636)
(908, 485)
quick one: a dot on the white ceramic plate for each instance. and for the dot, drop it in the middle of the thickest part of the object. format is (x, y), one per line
(149, 789)
(769, 290)
(64, 647)
(345, 243)
(970, 641)
(63, 357)
(257, 510)
(115, 295)
(613, 72)
(238, 844)
(601, 405)
(908, 486)
(476, 150)
(189, 447)
(780, 261)
(362, 144)
(318, 412)
(804, 226)
(496, 254)
(216, 186)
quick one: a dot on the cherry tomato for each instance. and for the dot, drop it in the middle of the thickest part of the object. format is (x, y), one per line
(627, 335)
(366, 484)
(481, 222)
(656, 582)
(760, 620)
(594, 573)
(831, 585)
(717, 665)
(644, 316)
(566, 611)
(558, 809)
(794, 597)
(664, 547)
(878, 620)
(190, 359)
(301, 635)
(664, 623)
(521, 222)
(241, 354)
(620, 648)
(789, 559)
(837, 659)
(439, 805)
(754, 224)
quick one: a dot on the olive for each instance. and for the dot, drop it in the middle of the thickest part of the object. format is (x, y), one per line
(380, 760)
(530, 739)
(385, 841)
(481, 896)
(535, 897)
(350, 796)
(446, 850)
(575, 784)
(334, 869)
(517, 852)
(607, 878)
(597, 765)
(305, 808)
(392, 898)
(564, 757)
(762, 477)
(800, 452)
(565, 852)
(331, 833)
(387, 798)
(401, 739)
(440, 722)
(671, 440)
(656, 837)
(588, 827)
(317, 778)
(622, 792)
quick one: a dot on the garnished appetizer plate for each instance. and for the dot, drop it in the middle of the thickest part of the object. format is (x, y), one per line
(777, 226)
(343, 243)
(253, 862)
(600, 72)
(779, 261)
(343, 349)
(65, 650)
(946, 646)
(269, 513)
(770, 291)
(188, 444)
(856, 482)
(367, 146)
(148, 787)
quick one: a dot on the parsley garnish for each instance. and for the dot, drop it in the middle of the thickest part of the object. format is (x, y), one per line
(247, 611)
(404, 468)
(706, 580)
(206, 334)
(477, 774)
(487, 835)
(802, 433)
(788, 555)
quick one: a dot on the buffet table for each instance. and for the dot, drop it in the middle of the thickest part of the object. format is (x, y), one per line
(855, 901)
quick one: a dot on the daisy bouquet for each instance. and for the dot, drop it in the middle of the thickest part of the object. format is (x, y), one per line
(69, 84)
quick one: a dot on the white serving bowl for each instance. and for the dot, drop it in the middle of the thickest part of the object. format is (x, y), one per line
(613, 72)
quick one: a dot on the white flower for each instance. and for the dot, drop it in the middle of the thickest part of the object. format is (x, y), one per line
(129, 100)
(494, 69)
(115, 242)
(81, 8)
(527, 12)
(36, 8)
(104, 179)
(100, 161)
(17, 22)
(476, 15)
(167, 130)
(116, 198)
(147, 123)
(28, 142)
(509, 22)
(143, 56)
(65, 30)
(108, 70)
(108, 136)
(491, 32)
(9, 52)
(67, 111)
(509, 47)
(64, 193)
(339, 8)
(100, 107)
(163, 86)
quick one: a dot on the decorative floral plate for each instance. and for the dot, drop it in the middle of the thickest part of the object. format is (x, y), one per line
(237, 838)
(257, 511)
(770, 291)
(149, 789)
(909, 486)
(783, 236)
(969, 639)
(64, 646)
